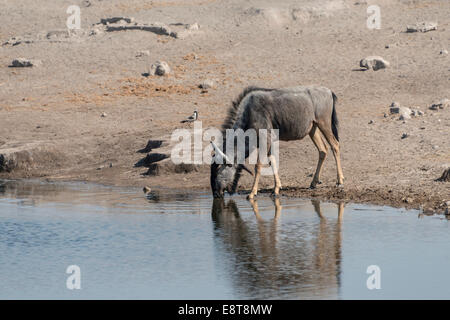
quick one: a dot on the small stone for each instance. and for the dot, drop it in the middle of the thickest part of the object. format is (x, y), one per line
(408, 200)
(443, 52)
(116, 20)
(371, 122)
(445, 103)
(14, 41)
(159, 68)
(103, 115)
(422, 27)
(405, 135)
(193, 27)
(394, 108)
(207, 84)
(147, 189)
(374, 62)
(420, 113)
(142, 53)
(22, 63)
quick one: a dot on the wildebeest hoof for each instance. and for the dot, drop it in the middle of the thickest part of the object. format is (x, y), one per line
(314, 183)
(312, 186)
(275, 195)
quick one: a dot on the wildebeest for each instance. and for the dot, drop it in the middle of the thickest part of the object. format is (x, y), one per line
(295, 112)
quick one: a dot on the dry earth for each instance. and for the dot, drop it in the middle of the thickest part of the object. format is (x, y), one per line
(51, 114)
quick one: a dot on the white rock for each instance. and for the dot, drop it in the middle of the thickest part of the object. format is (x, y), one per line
(374, 62)
(404, 116)
(159, 68)
(194, 26)
(207, 84)
(422, 27)
(143, 53)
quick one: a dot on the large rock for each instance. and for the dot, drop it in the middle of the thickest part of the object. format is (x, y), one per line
(158, 160)
(29, 157)
(16, 157)
(374, 62)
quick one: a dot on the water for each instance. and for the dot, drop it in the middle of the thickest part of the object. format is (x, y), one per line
(175, 245)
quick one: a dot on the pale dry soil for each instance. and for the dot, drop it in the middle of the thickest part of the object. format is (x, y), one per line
(55, 109)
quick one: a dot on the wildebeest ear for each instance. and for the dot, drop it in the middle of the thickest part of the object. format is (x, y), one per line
(247, 169)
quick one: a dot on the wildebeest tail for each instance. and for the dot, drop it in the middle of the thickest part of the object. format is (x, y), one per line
(334, 119)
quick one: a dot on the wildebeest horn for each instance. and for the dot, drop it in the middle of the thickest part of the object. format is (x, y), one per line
(220, 153)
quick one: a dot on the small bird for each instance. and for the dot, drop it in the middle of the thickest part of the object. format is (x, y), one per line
(192, 118)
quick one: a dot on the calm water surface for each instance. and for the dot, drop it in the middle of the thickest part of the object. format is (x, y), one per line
(175, 245)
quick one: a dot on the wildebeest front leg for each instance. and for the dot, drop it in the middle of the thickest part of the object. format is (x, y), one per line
(254, 191)
(273, 163)
(322, 148)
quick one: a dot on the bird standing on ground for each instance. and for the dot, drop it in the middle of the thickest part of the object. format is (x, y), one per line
(191, 118)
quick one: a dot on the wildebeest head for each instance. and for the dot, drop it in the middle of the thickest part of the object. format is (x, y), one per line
(225, 173)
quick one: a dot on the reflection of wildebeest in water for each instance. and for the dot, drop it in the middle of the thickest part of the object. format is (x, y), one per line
(269, 260)
(295, 113)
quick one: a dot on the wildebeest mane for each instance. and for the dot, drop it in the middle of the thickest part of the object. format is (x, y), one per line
(233, 111)
(232, 117)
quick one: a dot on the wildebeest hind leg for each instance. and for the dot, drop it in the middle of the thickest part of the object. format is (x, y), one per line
(334, 144)
(322, 148)
(273, 163)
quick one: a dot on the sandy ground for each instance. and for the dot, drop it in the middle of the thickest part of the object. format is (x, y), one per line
(54, 111)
